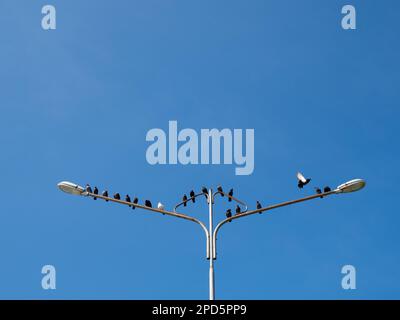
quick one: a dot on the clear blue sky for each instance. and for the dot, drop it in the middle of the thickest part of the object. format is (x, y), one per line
(76, 104)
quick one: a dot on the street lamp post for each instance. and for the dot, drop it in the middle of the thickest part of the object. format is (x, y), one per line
(211, 232)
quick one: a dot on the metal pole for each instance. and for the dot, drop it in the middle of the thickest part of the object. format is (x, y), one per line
(211, 274)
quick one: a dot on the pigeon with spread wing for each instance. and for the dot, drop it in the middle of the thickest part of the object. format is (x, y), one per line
(302, 181)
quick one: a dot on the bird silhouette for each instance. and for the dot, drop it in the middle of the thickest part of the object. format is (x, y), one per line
(205, 191)
(327, 189)
(88, 188)
(318, 191)
(160, 206)
(238, 211)
(220, 190)
(117, 196)
(192, 196)
(184, 200)
(230, 193)
(128, 198)
(147, 203)
(259, 206)
(228, 214)
(135, 201)
(301, 180)
(95, 191)
(105, 194)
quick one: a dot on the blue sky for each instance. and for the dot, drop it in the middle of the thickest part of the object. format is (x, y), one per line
(76, 104)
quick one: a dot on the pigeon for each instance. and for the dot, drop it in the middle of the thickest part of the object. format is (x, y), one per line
(220, 190)
(230, 194)
(135, 201)
(318, 191)
(147, 203)
(259, 206)
(128, 198)
(205, 191)
(88, 188)
(105, 194)
(302, 181)
(184, 200)
(160, 206)
(117, 196)
(228, 214)
(192, 196)
(327, 189)
(238, 209)
(95, 191)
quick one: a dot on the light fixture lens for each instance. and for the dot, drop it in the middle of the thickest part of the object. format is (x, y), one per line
(351, 186)
(71, 188)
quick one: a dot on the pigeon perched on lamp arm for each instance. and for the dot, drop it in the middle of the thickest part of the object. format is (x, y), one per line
(205, 191)
(238, 211)
(192, 194)
(318, 191)
(184, 200)
(220, 190)
(160, 206)
(135, 201)
(117, 196)
(105, 194)
(88, 188)
(228, 214)
(128, 198)
(95, 191)
(230, 193)
(327, 189)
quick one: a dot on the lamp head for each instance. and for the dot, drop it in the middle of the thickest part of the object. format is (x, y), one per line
(71, 188)
(351, 186)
